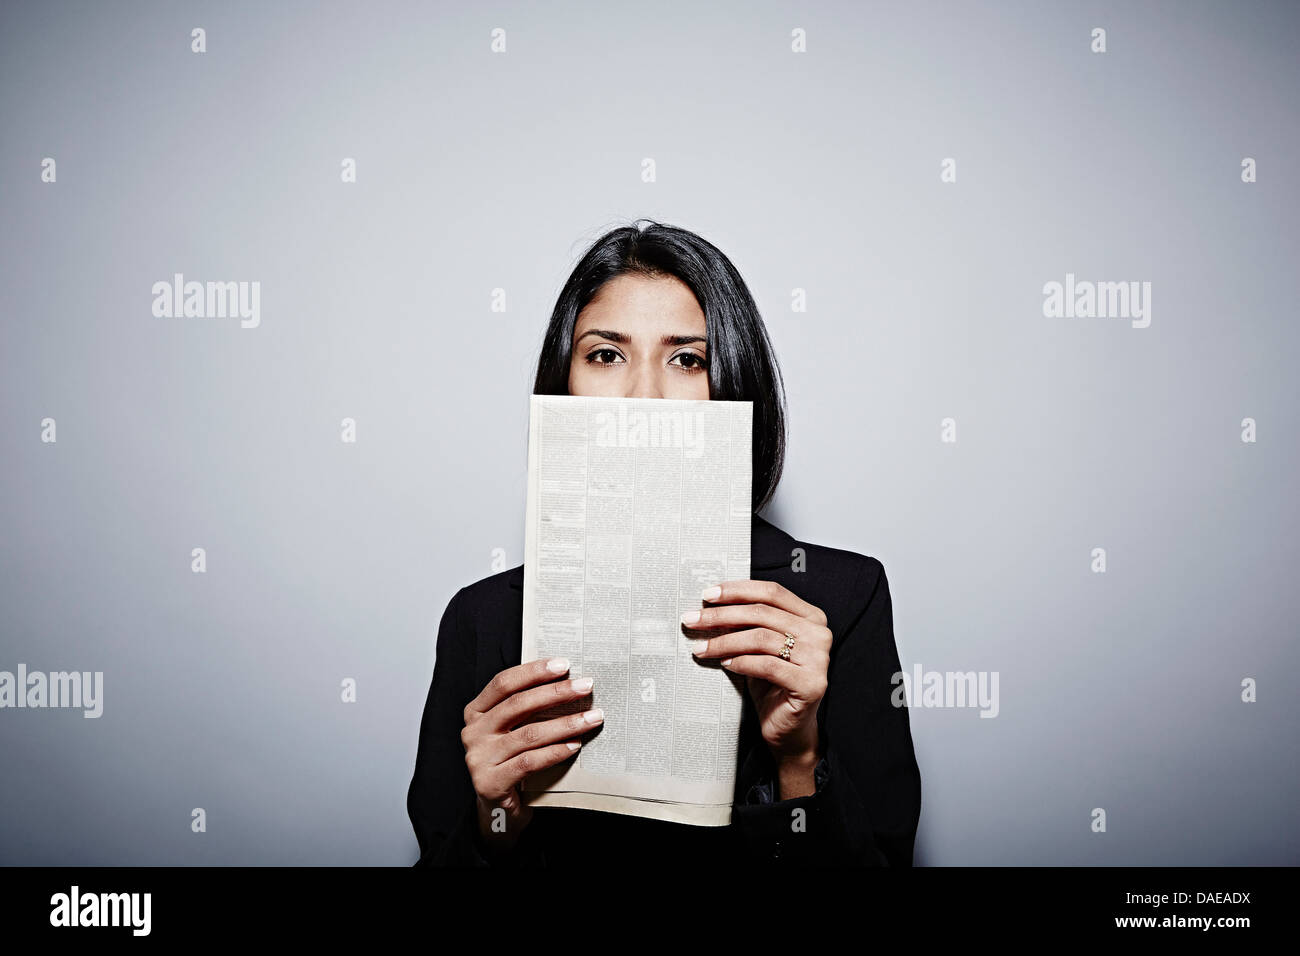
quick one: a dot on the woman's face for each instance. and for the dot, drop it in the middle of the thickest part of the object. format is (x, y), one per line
(640, 338)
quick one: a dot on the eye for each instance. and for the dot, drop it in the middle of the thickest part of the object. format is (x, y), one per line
(697, 362)
(611, 359)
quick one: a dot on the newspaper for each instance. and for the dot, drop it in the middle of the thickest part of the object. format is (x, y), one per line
(635, 505)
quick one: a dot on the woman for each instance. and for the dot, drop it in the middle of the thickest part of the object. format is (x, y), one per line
(656, 311)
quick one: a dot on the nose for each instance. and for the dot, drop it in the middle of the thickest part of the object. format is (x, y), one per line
(646, 383)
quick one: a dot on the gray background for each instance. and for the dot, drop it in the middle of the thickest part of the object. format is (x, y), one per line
(476, 171)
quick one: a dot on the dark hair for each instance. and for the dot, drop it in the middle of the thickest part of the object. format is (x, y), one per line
(742, 366)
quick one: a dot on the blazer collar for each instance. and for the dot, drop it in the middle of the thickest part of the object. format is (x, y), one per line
(769, 548)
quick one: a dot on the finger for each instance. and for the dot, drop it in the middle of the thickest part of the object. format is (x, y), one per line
(765, 592)
(496, 784)
(517, 768)
(514, 679)
(749, 615)
(759, 640)
(543, 733)
(525, 706)
(800, 682)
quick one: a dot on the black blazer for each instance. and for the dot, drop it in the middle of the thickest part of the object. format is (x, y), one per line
(868, 798)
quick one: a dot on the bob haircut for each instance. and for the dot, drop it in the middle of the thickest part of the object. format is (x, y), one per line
(741, 364)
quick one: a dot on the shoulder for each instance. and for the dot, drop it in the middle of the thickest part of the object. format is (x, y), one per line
(495, 586)
(854, 568)
(843, 582)
(488, 592)
(857, 580)
(837, 566)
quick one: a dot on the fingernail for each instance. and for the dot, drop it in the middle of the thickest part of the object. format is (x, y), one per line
(594, 716)
(557, 665)
(727, 662)
(690, 617)
(582, 685)
(708, 594)
(573, 745)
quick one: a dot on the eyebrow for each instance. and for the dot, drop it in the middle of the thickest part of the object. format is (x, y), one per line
(623, 339)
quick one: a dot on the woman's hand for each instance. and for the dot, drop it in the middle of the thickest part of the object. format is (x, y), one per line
(502, 746)
(785, 693)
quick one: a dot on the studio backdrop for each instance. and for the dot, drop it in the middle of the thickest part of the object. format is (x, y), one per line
(1028, 269)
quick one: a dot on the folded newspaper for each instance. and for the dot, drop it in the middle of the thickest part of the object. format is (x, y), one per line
(635, 505)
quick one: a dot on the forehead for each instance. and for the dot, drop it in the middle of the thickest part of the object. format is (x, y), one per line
(627, 299)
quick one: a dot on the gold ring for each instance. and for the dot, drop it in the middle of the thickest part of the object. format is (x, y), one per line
(789, 646)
